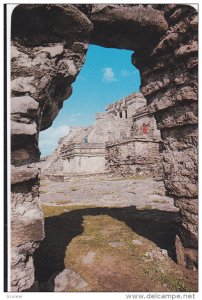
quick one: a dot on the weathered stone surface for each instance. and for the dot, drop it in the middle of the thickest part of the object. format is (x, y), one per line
(53, 51)
(27, 225)
(23, 85)
(23, 153)
(126, 26)
(22, 275)
(187, 257)
(14, 52)
(51, 22)
(68, 279)
(24, 105)
(89, 258)
(135, 157)
(187, 49)
(23, 174)
(116, 244)
(189, 215)
(117, 192)
(180, 114)
(180, 161)
(27, 218)
(137, 242)
(46, 56)
(175, 58)
(49, 49)
(23, 128)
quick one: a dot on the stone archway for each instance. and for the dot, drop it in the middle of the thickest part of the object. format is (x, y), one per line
(47, 55)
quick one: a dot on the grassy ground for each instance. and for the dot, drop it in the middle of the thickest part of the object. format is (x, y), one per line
(75, 233)
(137, 177)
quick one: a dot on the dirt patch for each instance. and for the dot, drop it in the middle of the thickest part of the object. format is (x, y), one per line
(72, 235)
(123, 268)
(120, 243)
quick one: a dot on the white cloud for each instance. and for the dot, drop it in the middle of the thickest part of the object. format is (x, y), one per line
(48, 139)
(108, 75)
(73, 117)
(125, 73)
(82, 78)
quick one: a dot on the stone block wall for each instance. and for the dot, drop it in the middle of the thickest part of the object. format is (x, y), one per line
(84, 158)
(169, 83)
(135, 157)
(127, 105)
(48, 48)
(27, 225)
(109, 127)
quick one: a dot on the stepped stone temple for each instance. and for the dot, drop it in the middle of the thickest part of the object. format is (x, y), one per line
(123, 141)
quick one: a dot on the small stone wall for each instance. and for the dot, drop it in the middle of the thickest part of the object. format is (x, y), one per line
(84, 158)
(135, 157)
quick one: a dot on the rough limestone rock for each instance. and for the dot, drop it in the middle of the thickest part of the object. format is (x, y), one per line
(89, 258)
(27, 225)
(18, 128)
(164, 38)
(68, 280)
(126, 26)
(46, 56)
(45, 61)
(169, 82)
(23, 106)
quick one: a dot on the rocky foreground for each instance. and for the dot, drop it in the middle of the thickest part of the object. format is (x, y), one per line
(104, 190)
(109, 234)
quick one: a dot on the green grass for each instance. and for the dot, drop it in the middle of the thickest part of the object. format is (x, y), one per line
(160, 201)
(164, 202)
(73, 189)
(43, 184)
(43, 192)
(60, 202)
(51, 210)
(137, 177)
(158, 192)
(176, 284)
(98, 231)
(147, 207)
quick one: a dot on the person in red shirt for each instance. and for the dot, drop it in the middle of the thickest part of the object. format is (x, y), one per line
(145, 128)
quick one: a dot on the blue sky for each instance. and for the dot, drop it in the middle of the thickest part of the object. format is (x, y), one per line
(107, 76)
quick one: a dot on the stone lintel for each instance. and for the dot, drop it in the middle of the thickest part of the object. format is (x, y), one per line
(22, 174)
(138, 139)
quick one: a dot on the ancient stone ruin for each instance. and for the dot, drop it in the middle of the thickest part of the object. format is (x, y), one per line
(137, 149)
(122, 142)
(46, 56)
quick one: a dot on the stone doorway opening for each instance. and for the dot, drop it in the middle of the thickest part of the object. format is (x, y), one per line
(96, 213)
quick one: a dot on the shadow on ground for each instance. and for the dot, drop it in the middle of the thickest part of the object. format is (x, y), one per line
(158, 226)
